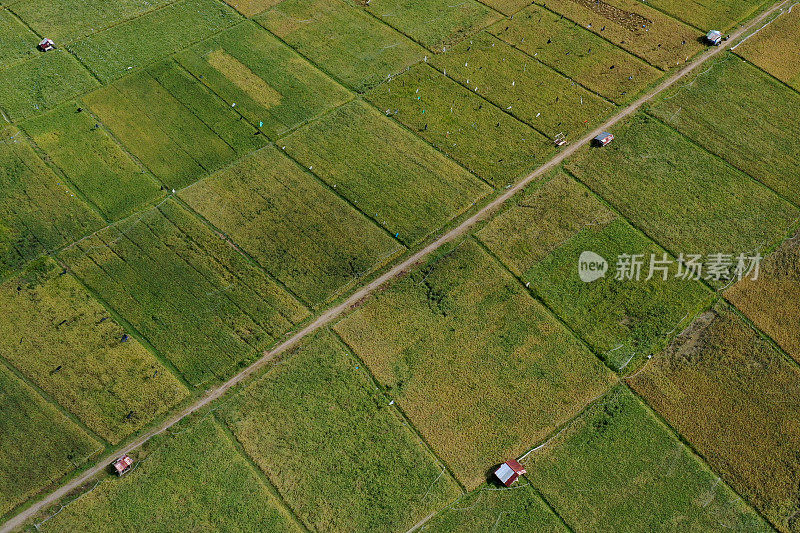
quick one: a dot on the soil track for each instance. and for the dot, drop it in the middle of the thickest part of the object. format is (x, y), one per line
(358, 296)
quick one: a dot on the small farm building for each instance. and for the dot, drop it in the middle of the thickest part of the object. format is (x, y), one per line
(46, 45)
(603, 139)
(714, 37)
(122, 465)
(509, 472)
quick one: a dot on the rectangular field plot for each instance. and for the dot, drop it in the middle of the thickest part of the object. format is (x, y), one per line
(194, 480)
(776, 48)
(759, 139)
(461, 124)
(490, 508)
(249, 8)
(69, 20)
(63, 340)
(38, 213)
(392, 176)
(709, 14)
(323, 30)
(529, 90)
(40, 444)
(576, 52)
(267, 82)
(92, 161)
(151, 37)
(16, 41)
(636, 27)
(319, 411)
(481, 368)
(295, 227)
(188, 291)
(735, 398)
(624, 320)
(618, 468)
(41, 83)
(173, 124)
(772, 301)
(687, 200)
(436, 24)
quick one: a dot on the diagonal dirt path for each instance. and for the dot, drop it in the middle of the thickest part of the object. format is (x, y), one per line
(334, 312)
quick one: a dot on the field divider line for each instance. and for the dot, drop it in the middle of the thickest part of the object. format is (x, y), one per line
(781, 12)
(353, 300)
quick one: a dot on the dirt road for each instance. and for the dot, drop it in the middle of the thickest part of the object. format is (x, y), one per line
(334, 312)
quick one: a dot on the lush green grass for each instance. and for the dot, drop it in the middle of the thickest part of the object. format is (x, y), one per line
(481, 368)
(324, 30)
(461, 124)
(686, 199)
(63, 340)
(268, 82)
(576, 52)
(301, 232)
(151, 37)
(191, 294)
(41, 83)
(338, 453)
(436, 24)
(542, 237)
(195, 480)
(771, 300)
(526, 88)
(709, 14)
(636, 27)
(723, 110)
(492, 508)
(173, 124)
(40, 444)
(250, 8)
(92, 161)
(392, 176)
(69, 20)
(776, 48)
(735, 399)
(16, 41)
(618, 468)
(37, 212)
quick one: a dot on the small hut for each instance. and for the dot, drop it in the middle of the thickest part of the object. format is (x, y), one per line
(509, 472)
(45, 45)
(602, 139)
(122, 465)
(714, 37)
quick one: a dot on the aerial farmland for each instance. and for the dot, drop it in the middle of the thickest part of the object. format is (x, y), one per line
(399, 266)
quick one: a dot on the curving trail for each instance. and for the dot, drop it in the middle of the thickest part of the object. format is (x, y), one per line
(333, 313)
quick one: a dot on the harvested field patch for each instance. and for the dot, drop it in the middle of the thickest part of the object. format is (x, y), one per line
(194, 480)
(519, 372)
(269, 83)
(38, 212)
(684, 198)
(735, 399)
(395, 178)
(776, 48)
(16, 41)
(436, 24)
(771, 301)
(151, 37)
(636, 27)
(187, 291)
(319, 411)
(40, 444)
(323, 30)
(68, 20)
(759, 139)
(92, 161)
(526, 88)
(490, 508)
(576, 52)
(463, 125)
(618, 468)
(41, 83)
(173, 124)
(295, 227)
(709, 14)
(63, 340)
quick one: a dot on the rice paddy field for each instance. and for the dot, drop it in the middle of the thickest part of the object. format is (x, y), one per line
(326, 265)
